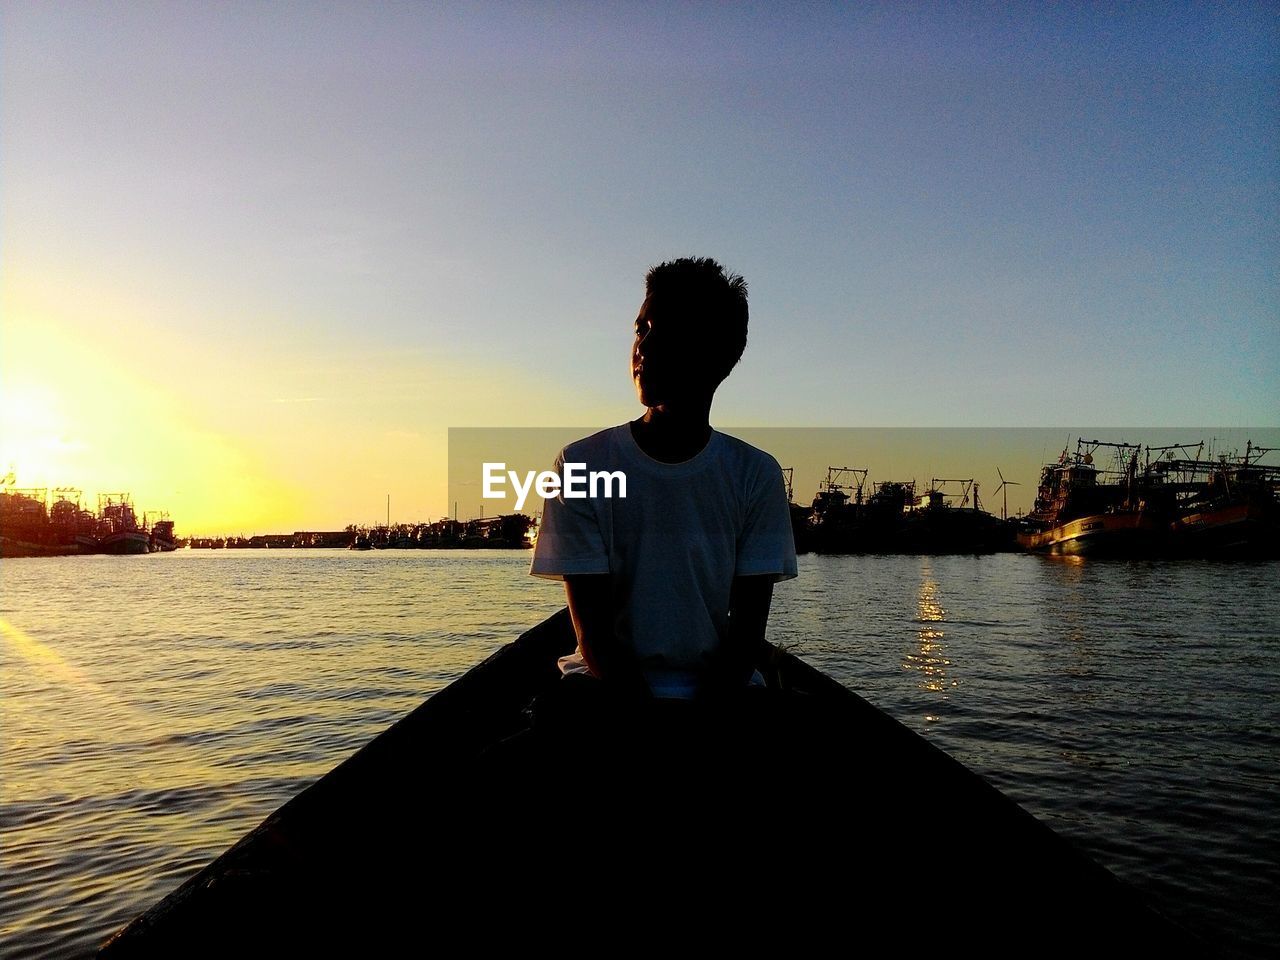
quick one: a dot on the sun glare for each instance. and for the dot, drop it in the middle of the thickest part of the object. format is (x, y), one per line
(76, 414)
(31, 432)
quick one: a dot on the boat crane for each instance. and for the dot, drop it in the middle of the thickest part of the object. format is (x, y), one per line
(967, 486)
(837, 477)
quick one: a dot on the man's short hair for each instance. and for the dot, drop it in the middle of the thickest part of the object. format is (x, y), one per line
(703, 294)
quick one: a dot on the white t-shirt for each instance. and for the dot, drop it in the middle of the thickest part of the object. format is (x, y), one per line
(673, 544)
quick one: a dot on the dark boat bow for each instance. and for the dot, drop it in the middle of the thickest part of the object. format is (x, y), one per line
(845, 822)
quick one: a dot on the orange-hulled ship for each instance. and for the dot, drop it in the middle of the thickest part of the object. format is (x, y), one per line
(1233, 509)
(1175, 505)
(1080, 509)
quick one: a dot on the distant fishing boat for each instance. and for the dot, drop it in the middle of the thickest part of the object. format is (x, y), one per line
(73, 525)
(29, 527)
(1232, 508)
(118, 529)
(26, 529)
(162, 538)
(1077, 512)
(948, 518)
(1171, 506)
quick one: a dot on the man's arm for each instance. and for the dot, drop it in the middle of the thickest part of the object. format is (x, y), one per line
(749, 600)
(590, 598)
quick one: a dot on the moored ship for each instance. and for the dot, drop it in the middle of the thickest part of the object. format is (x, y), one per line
(1174, 505)
(118, 529)
(74, 526)
(31, 527)
(1080, 509)
(25, 527)
(948, 518)
(1232, 509)
(162, 538)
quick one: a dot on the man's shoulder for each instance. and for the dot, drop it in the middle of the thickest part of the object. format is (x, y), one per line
(746, 457)
(592, 448)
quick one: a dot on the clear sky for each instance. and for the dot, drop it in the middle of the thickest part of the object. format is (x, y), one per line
(257, 258)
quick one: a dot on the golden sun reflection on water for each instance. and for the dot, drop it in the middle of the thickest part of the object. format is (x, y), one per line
(40, 656)
(98, 713)
(928, 657)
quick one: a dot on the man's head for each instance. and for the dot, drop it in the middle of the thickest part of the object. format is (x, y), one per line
(691, 330)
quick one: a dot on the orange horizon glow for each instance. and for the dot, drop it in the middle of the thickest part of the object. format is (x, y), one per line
(99, 395)
(96, 397)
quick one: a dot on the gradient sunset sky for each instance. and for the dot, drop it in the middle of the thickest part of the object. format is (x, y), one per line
(258, 257)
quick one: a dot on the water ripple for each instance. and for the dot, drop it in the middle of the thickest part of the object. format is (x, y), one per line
(1131, 705)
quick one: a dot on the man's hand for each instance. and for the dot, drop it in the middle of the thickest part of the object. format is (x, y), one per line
(590, 598)
(749, 601)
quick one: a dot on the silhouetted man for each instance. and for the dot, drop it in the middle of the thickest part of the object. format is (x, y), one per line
(669, 588)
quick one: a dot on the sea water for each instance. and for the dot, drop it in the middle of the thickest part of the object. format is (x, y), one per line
(156, 708)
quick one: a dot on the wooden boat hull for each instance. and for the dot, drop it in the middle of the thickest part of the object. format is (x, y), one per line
(841, 820)
(125, 543)
(1240, 529)
(1104, 534)
(11, 547)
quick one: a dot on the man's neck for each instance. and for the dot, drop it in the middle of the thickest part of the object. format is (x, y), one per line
(673, 435)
